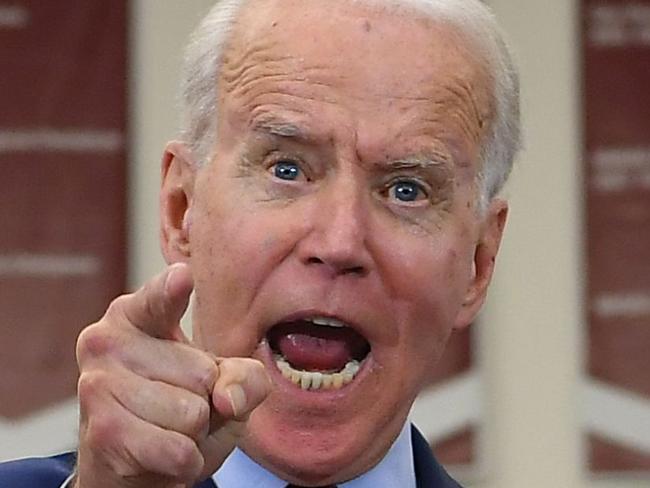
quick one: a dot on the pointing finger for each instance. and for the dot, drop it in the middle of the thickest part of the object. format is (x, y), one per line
(157, 307)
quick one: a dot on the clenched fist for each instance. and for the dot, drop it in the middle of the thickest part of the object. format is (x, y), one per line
(155, 410)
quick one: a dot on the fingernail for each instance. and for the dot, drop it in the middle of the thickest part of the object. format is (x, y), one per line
(237, 398)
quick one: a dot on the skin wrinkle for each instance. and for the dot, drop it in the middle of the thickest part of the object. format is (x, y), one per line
(427, 224)
(467, 111)
(261, 99)
(433, 166)
(237, 65)
(251, 163)
(240, 80)
(447, 145)
(440, 191)
(457, 98)
(434, 170)
(255, 64)
(458, 38)
(271, 121)
(244, 86)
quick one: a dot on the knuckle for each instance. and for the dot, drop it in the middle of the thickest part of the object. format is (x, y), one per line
(103, 431)
(205, 377)
(196, 413)
(84, 388)
(183, 459)
(106, 436)
(93, 341)
(91, 386)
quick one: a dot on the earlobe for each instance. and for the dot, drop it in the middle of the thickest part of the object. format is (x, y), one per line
(178, 172)
(485, 254)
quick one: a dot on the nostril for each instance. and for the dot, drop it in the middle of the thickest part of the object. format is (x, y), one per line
(341, 268)
(356, 270)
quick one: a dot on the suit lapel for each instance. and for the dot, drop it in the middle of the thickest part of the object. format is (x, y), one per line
(206, 484)
(428, 472)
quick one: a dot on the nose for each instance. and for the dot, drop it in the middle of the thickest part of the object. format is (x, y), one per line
(337, 239)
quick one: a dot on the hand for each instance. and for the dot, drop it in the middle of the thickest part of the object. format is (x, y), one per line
(156, 411)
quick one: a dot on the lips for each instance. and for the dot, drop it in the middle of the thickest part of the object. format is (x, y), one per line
(317, 352)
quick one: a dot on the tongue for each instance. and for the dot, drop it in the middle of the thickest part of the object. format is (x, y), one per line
(313, 348)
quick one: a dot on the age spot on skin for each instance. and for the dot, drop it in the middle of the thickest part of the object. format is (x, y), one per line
(269, 242)
(367, 26)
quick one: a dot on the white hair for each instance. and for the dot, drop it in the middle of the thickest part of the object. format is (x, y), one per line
(471, 17)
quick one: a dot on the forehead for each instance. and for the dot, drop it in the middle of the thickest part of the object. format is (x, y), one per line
(382, 67)
(306, 33)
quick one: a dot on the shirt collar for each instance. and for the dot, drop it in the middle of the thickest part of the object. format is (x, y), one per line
(395, 470)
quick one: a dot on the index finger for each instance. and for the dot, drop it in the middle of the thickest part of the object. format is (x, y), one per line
(157, 307)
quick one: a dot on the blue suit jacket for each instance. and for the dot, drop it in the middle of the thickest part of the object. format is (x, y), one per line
(51, 472)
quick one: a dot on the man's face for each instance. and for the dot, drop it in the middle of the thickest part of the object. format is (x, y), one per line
(342, 187)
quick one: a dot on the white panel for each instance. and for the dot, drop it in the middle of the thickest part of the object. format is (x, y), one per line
(449, 408)
(617, 415)
(48, 432)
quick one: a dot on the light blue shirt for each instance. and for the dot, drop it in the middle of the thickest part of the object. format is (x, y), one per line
(396, 470)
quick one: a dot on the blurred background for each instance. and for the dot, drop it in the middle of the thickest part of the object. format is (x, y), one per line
(550, 388)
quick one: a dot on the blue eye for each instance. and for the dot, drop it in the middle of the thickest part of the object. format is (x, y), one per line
(286, 170)
(406, 191)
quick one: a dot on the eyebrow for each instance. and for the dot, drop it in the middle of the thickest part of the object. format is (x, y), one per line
(423, 162)
(280, 128)
(420, 162)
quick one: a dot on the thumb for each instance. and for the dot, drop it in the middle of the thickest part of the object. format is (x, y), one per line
(241, 387)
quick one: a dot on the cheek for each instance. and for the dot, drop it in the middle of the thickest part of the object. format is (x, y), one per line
(428, 287)
(234, 252)
(229, 241)
(221, 256)
(431, 272)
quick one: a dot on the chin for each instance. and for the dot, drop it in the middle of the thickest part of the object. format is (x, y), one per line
(309, 450)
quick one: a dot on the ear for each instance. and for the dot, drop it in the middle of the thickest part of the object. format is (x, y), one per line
(485, 254)
(178, 172)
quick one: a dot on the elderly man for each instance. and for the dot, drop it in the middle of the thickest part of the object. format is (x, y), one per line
(333, 205)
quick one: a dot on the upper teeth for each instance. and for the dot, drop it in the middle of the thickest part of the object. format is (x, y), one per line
(330, 322)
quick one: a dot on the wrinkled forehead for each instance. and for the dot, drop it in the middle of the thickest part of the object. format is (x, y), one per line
(356, 53)
(302, 25)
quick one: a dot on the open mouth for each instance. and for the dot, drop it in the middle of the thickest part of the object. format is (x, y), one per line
(318, 353)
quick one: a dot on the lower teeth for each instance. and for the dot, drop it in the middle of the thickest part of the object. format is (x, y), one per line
(316, 380)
